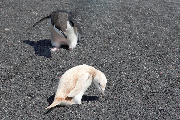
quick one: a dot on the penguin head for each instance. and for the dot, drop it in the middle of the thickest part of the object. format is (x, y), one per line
(100, 81)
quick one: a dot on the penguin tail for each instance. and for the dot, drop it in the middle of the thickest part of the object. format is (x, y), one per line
(55, 102)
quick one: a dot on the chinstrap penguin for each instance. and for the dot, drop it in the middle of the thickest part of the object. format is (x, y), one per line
(63, 29)
(74, 82)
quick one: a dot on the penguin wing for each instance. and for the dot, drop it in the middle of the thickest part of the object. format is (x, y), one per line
(74, 21)
(81, 82)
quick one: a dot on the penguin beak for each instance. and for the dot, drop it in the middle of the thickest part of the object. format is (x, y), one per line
(102, 91)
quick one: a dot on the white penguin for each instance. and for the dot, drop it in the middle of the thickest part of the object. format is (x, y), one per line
(74, 82)
(63, 29)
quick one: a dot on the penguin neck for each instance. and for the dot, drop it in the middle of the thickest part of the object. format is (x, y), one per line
(70, 32)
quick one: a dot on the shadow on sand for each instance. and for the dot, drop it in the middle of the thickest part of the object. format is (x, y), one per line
(42, 47)
(84, 98)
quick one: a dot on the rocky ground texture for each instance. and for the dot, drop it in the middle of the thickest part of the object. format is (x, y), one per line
(136, 43)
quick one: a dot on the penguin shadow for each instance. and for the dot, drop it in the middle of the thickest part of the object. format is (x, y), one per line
(43, 47)
(84, 98)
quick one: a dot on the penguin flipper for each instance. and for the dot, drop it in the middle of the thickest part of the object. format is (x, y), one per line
(79, 85)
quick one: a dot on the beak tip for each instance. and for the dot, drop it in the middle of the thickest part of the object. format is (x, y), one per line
(103, 93)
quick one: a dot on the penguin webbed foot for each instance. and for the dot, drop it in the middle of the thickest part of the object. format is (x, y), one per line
(54, 49)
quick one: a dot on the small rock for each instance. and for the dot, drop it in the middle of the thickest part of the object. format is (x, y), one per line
(6, 29)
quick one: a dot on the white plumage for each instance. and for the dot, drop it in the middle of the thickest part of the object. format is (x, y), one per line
(75, 81)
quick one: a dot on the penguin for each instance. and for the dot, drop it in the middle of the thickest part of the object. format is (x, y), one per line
(63, 29)
(74, 82)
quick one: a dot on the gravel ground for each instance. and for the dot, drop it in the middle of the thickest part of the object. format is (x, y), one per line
(136, 43)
